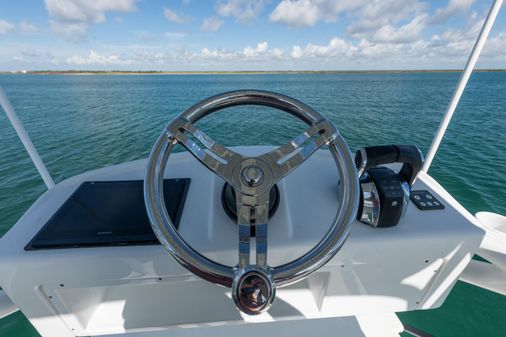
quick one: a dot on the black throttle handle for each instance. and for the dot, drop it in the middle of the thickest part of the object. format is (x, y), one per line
(409, 155)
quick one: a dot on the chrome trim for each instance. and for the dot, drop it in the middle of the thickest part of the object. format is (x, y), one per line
(252, 175)
(251, 97)
(251, 197)
(371, 204)
(405, 199)
(363, 162)
(423, 161)
(261, 218)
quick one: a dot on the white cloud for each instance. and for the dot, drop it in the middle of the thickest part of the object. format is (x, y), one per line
(459, 40)
(27, 27)
(242, 10)
(75, 31)
(335, 47)
(495, 46)
(71, 18)
(377, 14)
(278, 53)
(453, 7)
(386, 34)
(391, 55)
(364, 54)
(249, 52)
(446, 50)
(90, 11)
(212, 24)
(296, 13)
(143, 35)
(93, 58)
(375, 21)
(296, 52)
(217, 54)
(173, 16)
(5, 27)
(409, 32)
(36, 57)
(457, 43)
(175, 35)
(260, 53)
(301, 13)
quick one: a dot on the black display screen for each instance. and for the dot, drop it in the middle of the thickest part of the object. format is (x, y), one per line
(105, 213)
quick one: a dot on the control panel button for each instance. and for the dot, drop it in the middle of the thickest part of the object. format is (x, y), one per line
(425, 200)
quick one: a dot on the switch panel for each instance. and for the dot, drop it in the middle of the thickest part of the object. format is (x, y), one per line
(425, 201)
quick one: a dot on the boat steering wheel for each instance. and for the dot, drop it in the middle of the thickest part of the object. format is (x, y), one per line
(253, 284)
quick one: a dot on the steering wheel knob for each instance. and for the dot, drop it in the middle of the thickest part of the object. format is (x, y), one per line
(253, 291)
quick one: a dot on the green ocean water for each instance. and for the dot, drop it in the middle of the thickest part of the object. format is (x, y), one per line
(79, 123)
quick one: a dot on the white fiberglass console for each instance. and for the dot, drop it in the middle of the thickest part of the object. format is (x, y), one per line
(107, 290)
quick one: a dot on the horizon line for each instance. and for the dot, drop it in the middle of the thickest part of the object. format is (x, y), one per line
(218, 72)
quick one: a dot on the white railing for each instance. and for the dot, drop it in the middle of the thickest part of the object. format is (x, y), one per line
(471, 62)
(25, 139)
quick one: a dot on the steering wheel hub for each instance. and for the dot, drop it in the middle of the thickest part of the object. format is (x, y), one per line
(252, 175)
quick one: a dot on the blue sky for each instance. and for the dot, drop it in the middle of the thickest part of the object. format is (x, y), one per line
(245, 34)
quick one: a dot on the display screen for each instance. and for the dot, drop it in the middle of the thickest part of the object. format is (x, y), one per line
(105, 213)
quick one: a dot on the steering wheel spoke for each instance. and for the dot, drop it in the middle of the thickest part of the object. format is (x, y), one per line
(288, 157)
(214, 156)
(244, 223)
(261, 218)
(253, 227)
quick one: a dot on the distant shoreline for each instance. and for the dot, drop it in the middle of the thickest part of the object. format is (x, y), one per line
(253, 72)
